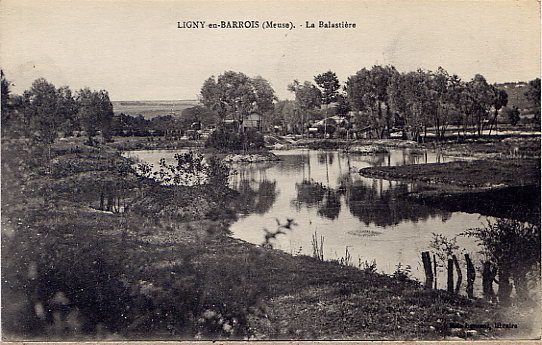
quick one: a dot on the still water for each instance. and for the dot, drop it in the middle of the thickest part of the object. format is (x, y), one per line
(326, 197)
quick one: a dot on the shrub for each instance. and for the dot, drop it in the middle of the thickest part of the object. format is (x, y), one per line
(514, 247)
(229, 140)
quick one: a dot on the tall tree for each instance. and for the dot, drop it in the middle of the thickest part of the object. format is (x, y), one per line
(307, 98)
(481, 101)
(5, 90)
(409, 96)
(42, 110)
(95, 112)
(235, 95)
(499, 99)
(8, 108)
(367, 91)
(265, 95)
(329, 86)
(285, 114)
(68, 109)
(443, 91)
(533, 93)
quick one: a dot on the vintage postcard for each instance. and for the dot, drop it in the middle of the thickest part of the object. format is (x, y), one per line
(270, 170)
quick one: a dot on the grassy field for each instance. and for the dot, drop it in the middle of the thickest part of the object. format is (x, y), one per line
(150, 109)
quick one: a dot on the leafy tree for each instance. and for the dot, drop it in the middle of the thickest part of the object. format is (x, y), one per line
(329, 86)
(513, 116)
(200, 114)
(285, 113)
(479, 101)
(367, 91)
(409, 97)
(95, 113)
(5, 90)
(265, 95)
(343, 107)
(42, 110)
(235, 95)
(499, 100)
(307, 98)
(439, 102)
(533, 93)
(68, 109)
(11, 106)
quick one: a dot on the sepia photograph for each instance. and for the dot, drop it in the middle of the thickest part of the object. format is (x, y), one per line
(270, 170)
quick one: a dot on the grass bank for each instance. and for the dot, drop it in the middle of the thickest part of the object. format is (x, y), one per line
(494, 187)
(90, 250)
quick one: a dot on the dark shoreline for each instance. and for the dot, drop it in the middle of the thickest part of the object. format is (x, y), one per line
(499, 188)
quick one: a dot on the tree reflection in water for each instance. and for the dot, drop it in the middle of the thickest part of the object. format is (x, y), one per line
(385, 207)
(331, 207)
(378, 202)
(257, 193)
(309, 194)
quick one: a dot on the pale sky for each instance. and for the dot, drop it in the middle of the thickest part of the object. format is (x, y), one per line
(136, 52)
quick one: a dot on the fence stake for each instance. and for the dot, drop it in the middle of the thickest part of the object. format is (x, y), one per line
(459, 274)
(471, 275)
(426, 259)
(450, 275)
(435, 270)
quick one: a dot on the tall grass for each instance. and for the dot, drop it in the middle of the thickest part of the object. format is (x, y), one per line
(317, 247)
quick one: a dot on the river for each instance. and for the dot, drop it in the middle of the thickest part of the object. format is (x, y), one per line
(361, 218)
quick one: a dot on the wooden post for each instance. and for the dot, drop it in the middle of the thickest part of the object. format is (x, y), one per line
(435, 270)
(450, 275)
(426, 259)
(459, 274)
(471, 275)
(487, 281)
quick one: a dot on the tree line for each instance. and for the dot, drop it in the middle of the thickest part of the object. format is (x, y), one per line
(379, 101)
(43, 111)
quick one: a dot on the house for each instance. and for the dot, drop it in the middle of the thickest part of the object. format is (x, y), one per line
(253, 120)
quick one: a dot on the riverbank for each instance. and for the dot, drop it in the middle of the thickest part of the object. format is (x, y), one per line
(493, 187)
(93, 251)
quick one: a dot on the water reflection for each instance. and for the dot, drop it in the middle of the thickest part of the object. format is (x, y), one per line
(373, 201)
(380, 203)
(324, 193)
(256, 193)
(331, 206)
(309, 194)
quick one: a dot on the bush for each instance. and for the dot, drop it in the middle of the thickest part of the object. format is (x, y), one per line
(514, 248)
(230, 140)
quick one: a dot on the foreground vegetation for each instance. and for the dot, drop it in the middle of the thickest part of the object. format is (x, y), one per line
(90, 249)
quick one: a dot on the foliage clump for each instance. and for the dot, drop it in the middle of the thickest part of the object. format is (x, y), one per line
(514, 248)
(228, 140)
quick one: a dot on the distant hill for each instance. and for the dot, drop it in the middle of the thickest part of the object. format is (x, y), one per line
(516, 95)
(151, 109)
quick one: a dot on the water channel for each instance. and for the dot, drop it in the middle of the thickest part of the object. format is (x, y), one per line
(325, 195)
